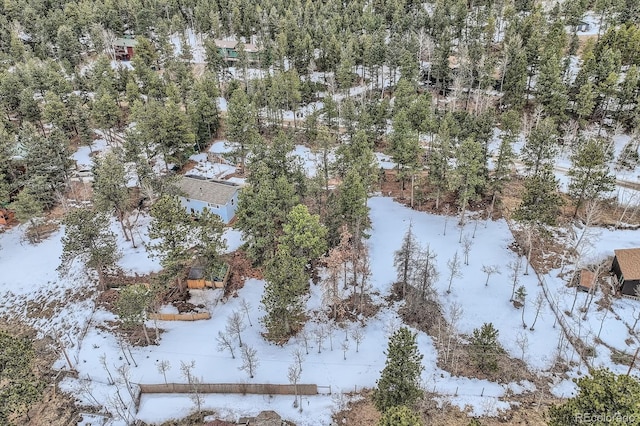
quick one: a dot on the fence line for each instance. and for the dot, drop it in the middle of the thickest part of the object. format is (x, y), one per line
(241, 388)
(190, 316)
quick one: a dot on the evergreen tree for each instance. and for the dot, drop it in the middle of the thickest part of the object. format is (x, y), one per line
(400, 415)
(132, 307)
(110, 192)
(29, 210)
(541, 200)
(601, 394)
(551, 91)
(438, 162)
(87, 238)
(485, 347)
(541, 147)
(585, 102)
(514, 83)
(171, 226)
(405, 147)
(399, 383)
(589, 173)
(286, 283)
(208, 241)
(404, 258)
(351, 203)
(20, 385)
(204, 110)
(105, 113)
(304, 234)
(470, 172)
(242, 129)
(505, 155)
(174, 135)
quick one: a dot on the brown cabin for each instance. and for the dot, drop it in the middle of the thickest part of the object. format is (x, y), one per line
(197, 279)
(123, 48)
(6, 216)
(626, 268)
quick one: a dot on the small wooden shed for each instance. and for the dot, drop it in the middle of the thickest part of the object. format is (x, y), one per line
(587, 280)
(197, 279)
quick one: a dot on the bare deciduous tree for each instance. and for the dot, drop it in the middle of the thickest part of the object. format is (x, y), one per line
(293, 374)
(538, 303)
(490, 270)
(163, 366)
(466, 248)
(357, 334)
(514, 267)
(345, 347)
(246, 307)
(236, 325)
(225, 342)
(320, 333)
(250, 360)
(523, 343)
(305, 337)
(454, 269)
(187, 370)
(298, 357)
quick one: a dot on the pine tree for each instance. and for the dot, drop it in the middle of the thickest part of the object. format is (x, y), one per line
(404, 258)
(470, 174)
(132, 307)
(286, 283)
(29, 209)
(174, 136)
(242, 129)
(304, 234)
(600, 394)
(505, 155)
(515, 78)
(351, 202)
(541, 147)
(585, 102)
(589, 173)
(400, 415)
(171, 226)
(105, 113)
(541, 200)
(399, 383)
(208, 241)
(485, 347)
(88, 239)
(110, 192)
(405, 147)
(551, 91)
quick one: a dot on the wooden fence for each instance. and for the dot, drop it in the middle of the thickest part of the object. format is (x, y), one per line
(241, 388)
(189, 316)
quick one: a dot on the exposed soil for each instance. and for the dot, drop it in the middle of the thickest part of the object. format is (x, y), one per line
(241, 270)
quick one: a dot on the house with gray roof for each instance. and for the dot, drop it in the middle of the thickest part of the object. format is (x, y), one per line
(219, 197)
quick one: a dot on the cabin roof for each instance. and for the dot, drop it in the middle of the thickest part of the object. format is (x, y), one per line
(231, 44)
(125, 42)
(587, 278)
(629, 262)
(210, 191)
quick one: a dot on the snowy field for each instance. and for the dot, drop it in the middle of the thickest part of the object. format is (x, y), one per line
(98, 354)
